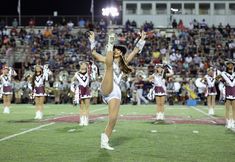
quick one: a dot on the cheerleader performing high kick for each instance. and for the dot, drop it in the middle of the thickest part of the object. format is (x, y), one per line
(116, 61)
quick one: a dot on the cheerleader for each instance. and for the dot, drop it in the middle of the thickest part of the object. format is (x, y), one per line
(81, 89)
(228, 77)
(211, 91)
(159, 90)
(38, 88)
(6, 80)
(116, 61)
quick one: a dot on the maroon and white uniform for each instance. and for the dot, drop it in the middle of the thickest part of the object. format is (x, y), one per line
(83, 84)
(116, 92)
(39, 85)
(159, 81)
(211, 88)
(6, 81)
(6, 84)
(229, 80)
(159, 85)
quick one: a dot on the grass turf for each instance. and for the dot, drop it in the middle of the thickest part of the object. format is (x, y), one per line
(133, 140)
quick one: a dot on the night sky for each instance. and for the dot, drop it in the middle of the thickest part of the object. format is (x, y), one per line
(46, 7)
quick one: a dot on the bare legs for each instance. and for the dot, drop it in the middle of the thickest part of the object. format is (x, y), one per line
(39, 103)
(6, 103)
(160, 101)
(107, 83)
(84, 111)
(230, 113)
(211, 104)
(114, 105)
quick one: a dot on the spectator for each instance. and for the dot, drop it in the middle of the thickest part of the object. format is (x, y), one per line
(174, 24)
(31, 23)
(49, 22)
(15, 23)
(81, 23)
(139, 84)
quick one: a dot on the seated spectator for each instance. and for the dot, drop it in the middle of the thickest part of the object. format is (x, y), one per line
(49, 22)
(203, 24)
(133, 23)
(15, 23)
(195, 24)
(102, 25)
(63, 22)
(31, 23)
(181, 25)
(47, 33)
(81, 23)
(70, 25)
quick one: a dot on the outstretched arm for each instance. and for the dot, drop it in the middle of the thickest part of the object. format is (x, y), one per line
(138, 48)
(97, 56)
(151, 78)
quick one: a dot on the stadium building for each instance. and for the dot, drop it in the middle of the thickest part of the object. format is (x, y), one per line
(163, 12)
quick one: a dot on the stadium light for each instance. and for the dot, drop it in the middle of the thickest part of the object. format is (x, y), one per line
(174, 9)
(110, 11)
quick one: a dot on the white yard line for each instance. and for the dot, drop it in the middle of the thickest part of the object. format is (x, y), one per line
(232, 129)
(37, 128)
(203, 112)
(103, 108)
(27, 131)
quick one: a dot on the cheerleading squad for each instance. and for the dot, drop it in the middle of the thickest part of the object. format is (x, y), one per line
(116, 60)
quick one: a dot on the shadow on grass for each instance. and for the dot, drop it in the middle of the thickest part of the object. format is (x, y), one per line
(160, 122)
(119, 140)
(74, 129)
(104, 155)
(22, 121)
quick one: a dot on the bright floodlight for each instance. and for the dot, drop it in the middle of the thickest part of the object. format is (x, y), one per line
(110, 11)
(174, 9)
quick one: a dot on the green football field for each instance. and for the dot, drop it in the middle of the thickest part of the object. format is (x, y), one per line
(187, 135)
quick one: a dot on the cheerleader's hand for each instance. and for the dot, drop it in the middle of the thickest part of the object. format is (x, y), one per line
(141, 42)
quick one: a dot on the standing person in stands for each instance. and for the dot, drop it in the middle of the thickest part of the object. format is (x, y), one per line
(159, 81)
(139, 84)
(6, 80)
(116, 61)
(39, 78)
(80, 86)
(228, 77)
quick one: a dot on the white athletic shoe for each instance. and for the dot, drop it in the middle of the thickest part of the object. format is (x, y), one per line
(228, 123)
(232, 125)
(86, 121)
(162, 116)
(38, 115)
(6, 110)
(82, 118)
(158, 116)
(104, 144)
(211, 111)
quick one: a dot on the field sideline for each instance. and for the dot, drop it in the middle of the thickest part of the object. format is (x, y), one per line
(137, 137)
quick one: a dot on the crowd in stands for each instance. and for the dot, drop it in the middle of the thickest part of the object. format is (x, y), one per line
(190, 51)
